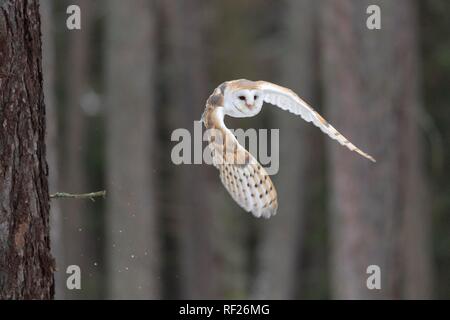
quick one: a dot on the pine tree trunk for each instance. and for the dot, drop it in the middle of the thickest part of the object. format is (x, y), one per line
(283, 235)
(191, 207)
(372, 96)
(133, 248)
(26, 264)
(75, 239)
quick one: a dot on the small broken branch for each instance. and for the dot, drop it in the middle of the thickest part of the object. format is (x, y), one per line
(90, 196)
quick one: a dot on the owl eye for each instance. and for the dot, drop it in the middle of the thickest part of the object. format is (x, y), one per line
(255, 97)
(241, 98)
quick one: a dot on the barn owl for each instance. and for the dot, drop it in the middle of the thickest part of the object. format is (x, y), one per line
(244, 178)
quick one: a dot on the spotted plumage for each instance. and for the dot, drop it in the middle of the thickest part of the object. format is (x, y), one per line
(244, 178)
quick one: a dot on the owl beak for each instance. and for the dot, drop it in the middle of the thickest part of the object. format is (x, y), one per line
(250, 106)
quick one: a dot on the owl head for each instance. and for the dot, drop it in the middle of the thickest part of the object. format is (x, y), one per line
(242, 99)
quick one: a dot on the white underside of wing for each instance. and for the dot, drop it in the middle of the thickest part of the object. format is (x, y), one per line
(287, 104)
(287, 100)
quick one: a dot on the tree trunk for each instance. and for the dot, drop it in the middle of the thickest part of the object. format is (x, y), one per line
(416, 235)
(371, 93)
(26, 264)
(76, 218)
(282, 236)
(187, 93)
(133, 253)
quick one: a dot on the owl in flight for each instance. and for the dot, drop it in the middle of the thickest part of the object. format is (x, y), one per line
(241, 174)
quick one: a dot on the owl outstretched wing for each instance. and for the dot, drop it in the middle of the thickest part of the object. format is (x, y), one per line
(287, 99)
(244, 178)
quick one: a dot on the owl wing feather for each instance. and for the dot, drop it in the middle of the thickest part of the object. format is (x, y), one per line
(287, 99)
(244, 178)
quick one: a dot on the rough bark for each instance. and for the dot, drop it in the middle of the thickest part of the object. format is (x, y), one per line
(187, 93)
(282, 236)
(371, 95)
(133, 254)
(26, 264)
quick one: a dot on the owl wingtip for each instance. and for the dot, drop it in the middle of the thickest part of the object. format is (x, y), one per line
(367, 156)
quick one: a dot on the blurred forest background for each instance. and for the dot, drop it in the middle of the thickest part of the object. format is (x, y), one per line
(137, 70)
